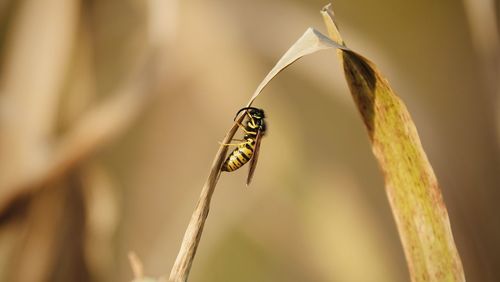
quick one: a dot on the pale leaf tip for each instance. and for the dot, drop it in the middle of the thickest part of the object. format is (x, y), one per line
(136, 265)
(331, 25)
(327, 8)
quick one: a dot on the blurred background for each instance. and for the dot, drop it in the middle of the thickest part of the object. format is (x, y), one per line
(110, 114)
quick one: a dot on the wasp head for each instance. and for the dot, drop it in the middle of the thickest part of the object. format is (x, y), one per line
(253, 112)
(256, 113)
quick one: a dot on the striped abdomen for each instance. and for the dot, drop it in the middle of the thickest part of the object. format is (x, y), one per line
(239, 156)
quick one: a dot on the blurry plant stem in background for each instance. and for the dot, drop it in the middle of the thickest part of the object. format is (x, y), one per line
(483, 19)
(138, 270)
(41, 176)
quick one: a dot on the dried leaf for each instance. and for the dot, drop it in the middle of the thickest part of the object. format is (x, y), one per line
(412, 188)
(311, 42)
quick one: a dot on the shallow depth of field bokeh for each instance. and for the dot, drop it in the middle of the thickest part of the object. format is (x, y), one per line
(110, 114)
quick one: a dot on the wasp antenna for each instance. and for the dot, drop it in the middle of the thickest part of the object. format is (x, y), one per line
(243, 109)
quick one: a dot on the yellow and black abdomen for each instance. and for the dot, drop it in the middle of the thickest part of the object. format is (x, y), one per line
(240, 156)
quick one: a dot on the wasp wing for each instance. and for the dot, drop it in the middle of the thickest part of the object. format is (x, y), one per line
(253, 161)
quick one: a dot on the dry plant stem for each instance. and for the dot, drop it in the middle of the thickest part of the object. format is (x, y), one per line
(412, 188)
(182, 265)
(310, 42)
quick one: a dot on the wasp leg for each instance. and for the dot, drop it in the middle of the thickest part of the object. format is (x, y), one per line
(252, 121)
(245, 130)
(232, 144)
(238, 144)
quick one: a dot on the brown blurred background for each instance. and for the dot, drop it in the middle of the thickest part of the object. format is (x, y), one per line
(110, 113)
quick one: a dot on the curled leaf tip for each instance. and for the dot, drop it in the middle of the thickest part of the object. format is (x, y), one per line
(327, 8)
(331, 25)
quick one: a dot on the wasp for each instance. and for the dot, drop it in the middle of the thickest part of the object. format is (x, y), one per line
(248, 149)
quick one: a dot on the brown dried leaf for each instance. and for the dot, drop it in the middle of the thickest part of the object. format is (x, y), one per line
(412, 188)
